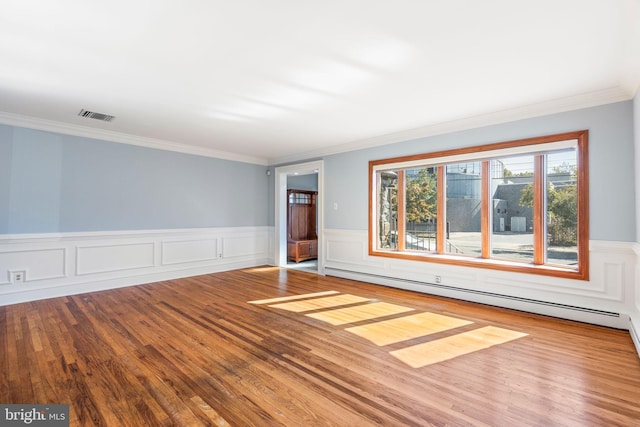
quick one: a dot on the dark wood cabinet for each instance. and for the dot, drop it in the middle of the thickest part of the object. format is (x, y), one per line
(302, 250)
(302, 240)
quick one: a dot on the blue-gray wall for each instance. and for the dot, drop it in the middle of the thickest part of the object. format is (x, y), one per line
(59, 183)
(611, 166)
(303, 182)
(5, 176)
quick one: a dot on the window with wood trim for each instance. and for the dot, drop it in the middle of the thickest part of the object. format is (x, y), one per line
(518, 206)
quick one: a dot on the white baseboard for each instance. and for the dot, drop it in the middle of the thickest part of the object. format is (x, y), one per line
(52, 265)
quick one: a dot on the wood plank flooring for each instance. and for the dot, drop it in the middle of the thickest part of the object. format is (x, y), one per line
(233, 349)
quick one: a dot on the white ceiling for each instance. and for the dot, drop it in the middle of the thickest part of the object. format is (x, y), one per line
(280, 80)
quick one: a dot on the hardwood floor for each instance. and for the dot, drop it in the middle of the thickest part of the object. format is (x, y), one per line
(209, 350)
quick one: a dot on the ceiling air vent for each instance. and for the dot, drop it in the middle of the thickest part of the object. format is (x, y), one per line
(97, 116)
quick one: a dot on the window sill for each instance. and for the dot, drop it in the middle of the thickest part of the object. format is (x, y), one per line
(492, 264)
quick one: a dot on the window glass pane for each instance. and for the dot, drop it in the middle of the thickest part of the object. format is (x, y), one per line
(387, 210)
(421, 208)
(463, 212)
(562, 208)
(512, 208)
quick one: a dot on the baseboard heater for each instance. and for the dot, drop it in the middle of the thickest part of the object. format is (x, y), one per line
(477, 292)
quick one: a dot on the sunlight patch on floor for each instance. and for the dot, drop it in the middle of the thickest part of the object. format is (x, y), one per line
(318, 303)
(293, 297)
(262, 269)
(393, 331)
(428, 353)
(406, 328)
(342, 316)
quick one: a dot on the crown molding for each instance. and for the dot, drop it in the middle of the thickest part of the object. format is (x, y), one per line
(123, 138)
(590, 99)
(560, 105)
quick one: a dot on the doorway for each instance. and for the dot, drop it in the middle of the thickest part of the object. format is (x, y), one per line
(282, 175)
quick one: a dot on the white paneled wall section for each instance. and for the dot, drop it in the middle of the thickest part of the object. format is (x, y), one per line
(48, 265)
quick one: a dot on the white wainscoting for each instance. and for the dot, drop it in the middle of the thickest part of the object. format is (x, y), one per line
(71, 263)
(114, 257)
(609, 298)
(634, 316)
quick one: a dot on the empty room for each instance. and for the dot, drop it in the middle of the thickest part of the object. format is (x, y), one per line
(320, 213)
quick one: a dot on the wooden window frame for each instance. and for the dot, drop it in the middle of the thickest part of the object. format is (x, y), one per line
(483, 153)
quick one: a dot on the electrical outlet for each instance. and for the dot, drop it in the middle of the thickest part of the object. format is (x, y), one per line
(17, 276)
(438, 279)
